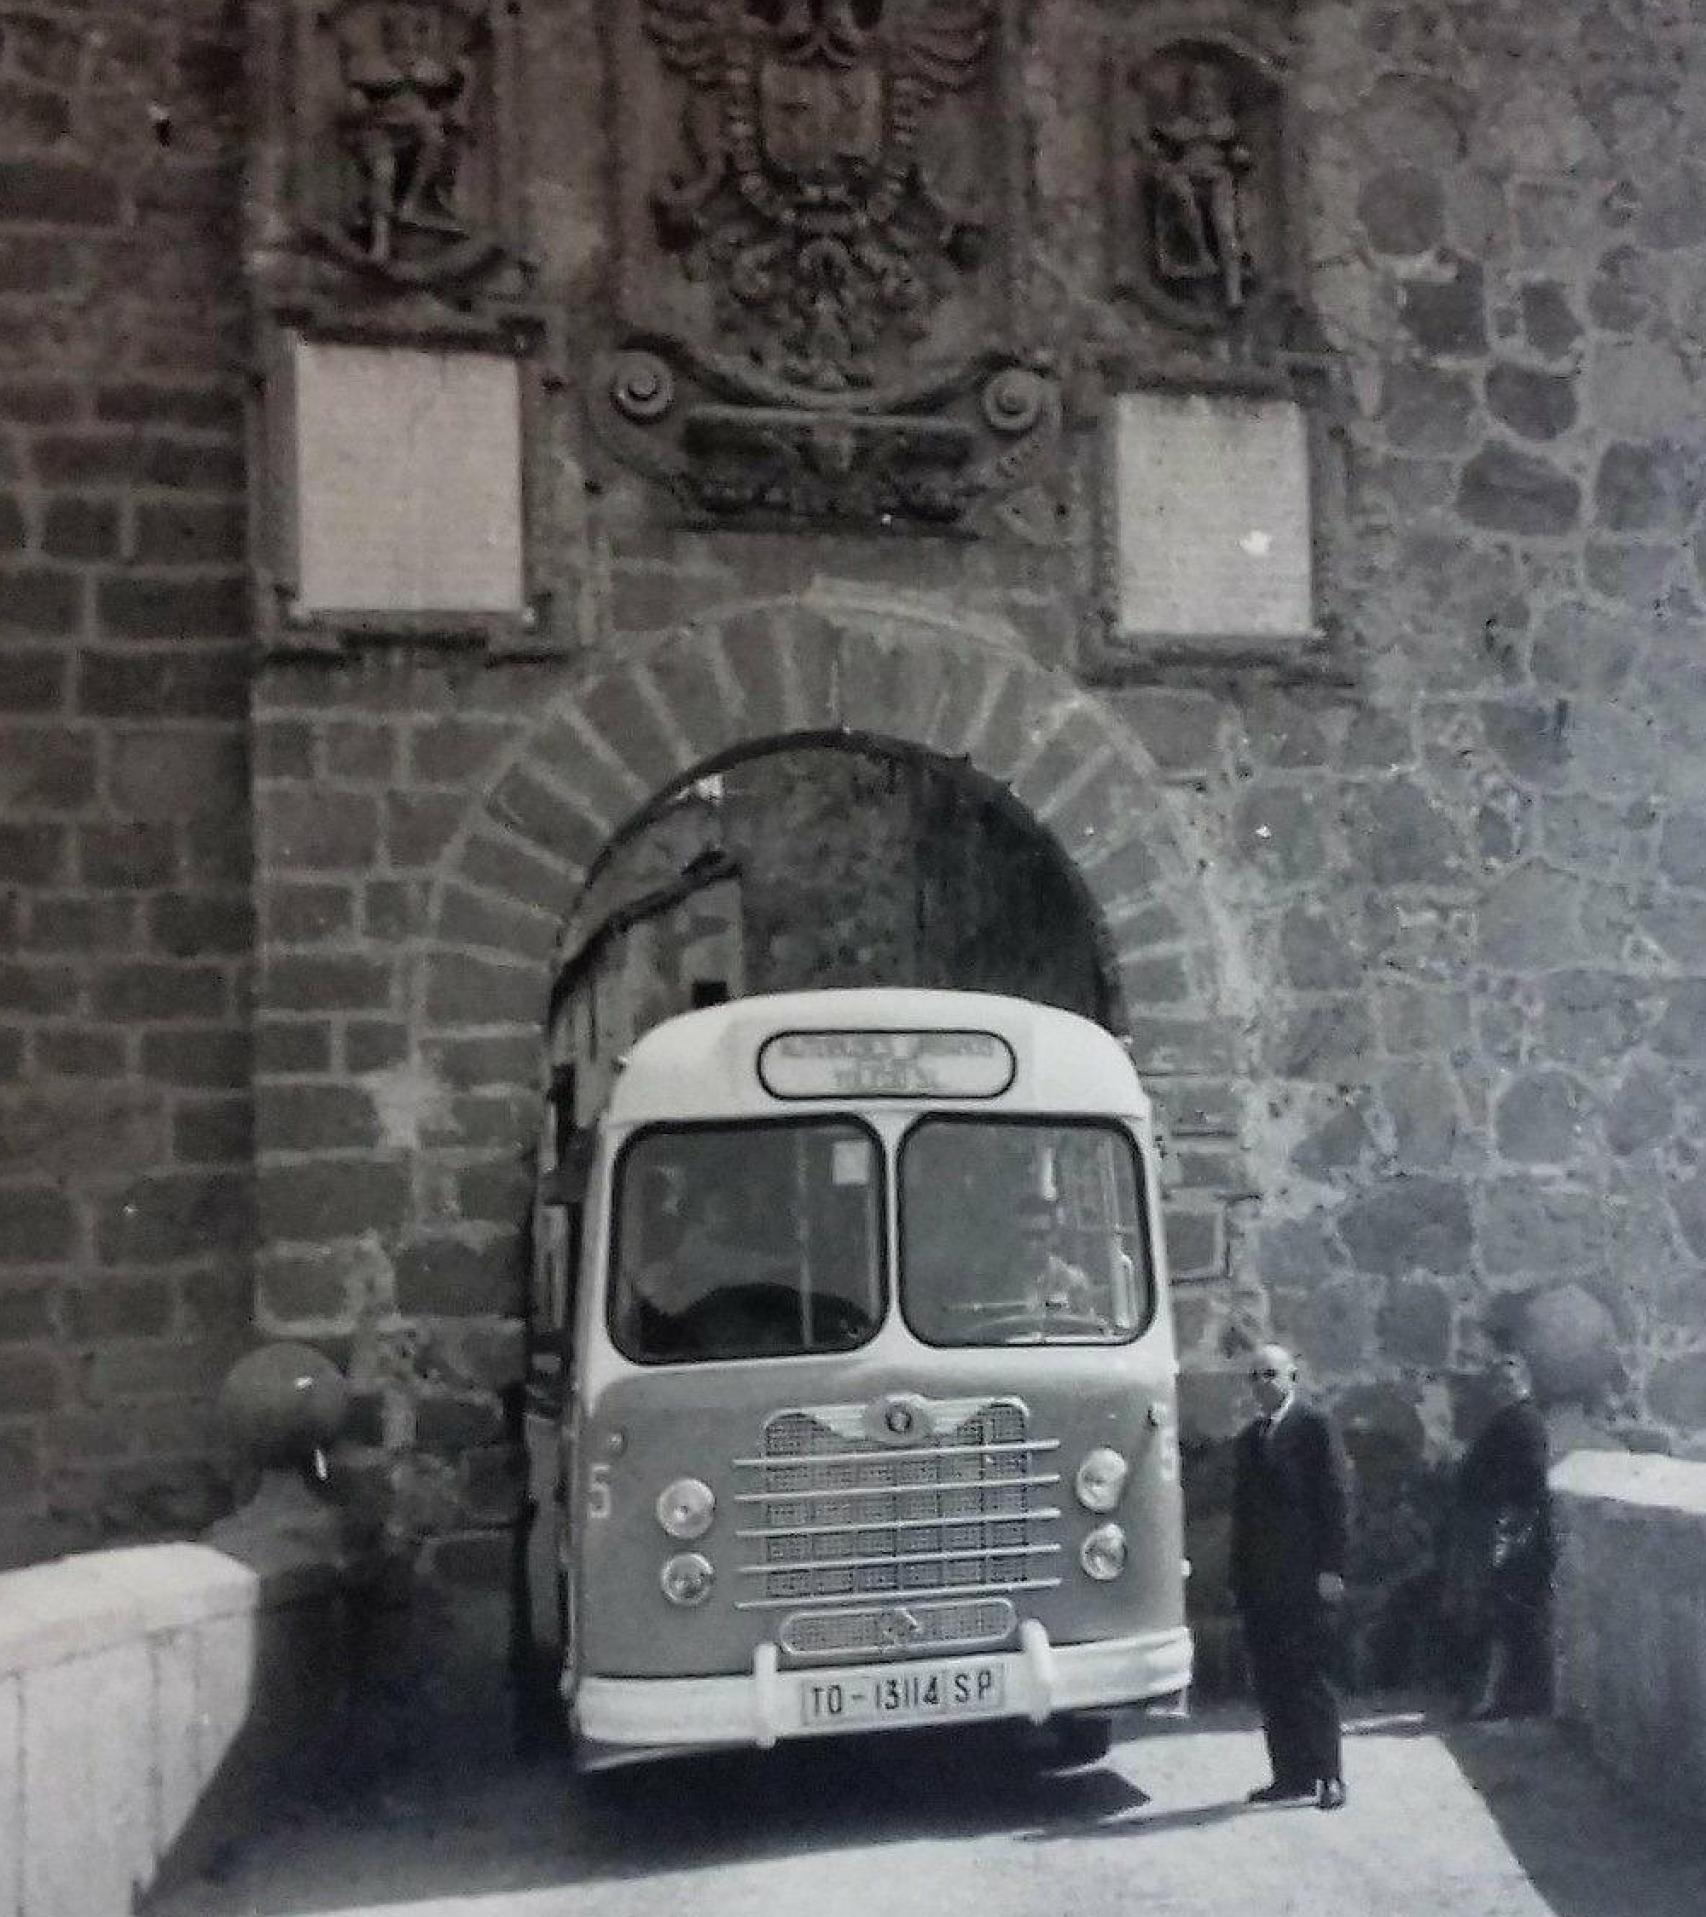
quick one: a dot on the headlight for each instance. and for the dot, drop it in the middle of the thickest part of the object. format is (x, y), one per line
(1103, 1553)
(687, 1580)
(1101, 1479)
(686, 1508)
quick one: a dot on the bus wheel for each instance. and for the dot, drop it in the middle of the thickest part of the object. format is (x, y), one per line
(1080, 1739)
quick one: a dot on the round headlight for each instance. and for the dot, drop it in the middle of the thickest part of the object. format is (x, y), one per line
(687, 1580)
(1101, 1479)
(1103, 1553)
(686, 1508)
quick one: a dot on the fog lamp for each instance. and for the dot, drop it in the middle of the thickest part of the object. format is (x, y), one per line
(687, 1580)
(685, 1509)
(1101, 1479)
(1103, 1553)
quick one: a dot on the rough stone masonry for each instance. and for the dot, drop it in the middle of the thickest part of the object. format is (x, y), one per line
(1405, 927)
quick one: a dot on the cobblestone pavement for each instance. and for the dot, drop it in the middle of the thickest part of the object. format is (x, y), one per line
(1497, 1821)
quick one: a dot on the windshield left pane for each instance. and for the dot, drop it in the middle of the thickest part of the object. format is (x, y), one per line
(746, 1241)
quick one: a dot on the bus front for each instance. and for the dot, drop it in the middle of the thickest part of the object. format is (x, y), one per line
(874, 1414)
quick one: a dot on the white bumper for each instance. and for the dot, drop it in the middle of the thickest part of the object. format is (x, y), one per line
(1039, 1679)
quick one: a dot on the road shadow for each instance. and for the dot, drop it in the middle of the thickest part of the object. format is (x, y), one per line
(1587, 1844)
(442, 1827)
(434, 1833)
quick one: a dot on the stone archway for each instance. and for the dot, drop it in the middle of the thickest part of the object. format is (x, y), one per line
(697, 698)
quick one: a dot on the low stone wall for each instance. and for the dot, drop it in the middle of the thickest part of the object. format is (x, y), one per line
(1632, 1618)
(146, 1695)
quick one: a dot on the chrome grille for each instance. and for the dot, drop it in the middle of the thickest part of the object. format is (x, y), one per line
(834, 1514)
(896, 1629)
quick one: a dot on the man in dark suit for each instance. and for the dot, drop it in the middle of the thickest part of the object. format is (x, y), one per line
(1290, 1513)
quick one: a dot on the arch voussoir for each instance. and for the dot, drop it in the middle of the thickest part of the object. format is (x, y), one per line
(1014, 731)
(967, 720)
(1125, 870)
(1092, 820)
(546, 814)
(751, 648)
(498, 860)
(642, 751)
(871, 670)
(1068, 748)
(754, 677)
(570, 755)
(695, 684)
(495, 922)
(812, 659)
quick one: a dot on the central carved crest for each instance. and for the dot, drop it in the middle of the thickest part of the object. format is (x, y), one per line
(819, 219)
(803, 193)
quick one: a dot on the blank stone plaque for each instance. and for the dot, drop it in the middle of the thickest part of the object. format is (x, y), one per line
(407, 479)
(1212, 534)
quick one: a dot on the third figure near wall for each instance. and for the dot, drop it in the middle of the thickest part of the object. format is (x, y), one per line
(1500, 1582)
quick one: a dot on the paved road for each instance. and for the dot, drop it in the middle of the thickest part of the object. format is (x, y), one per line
(1502, 1821)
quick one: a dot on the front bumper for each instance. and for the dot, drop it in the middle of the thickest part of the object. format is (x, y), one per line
(621, 1718)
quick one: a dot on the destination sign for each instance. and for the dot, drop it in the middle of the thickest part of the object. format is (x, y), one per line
(886, 1064)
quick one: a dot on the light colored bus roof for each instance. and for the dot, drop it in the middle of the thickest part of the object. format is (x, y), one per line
(705, 1064)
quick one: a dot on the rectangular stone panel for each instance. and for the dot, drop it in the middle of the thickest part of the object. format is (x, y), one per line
(1210, 518)
(404, 471)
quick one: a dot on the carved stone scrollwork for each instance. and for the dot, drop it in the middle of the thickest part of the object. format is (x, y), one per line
(1199, 155)
(817, 275)
(732, 460)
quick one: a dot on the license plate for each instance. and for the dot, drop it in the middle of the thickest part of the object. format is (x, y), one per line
(918, 1695)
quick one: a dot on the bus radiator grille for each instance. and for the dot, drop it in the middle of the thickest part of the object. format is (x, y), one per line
(897, 1629)
(967, 1508)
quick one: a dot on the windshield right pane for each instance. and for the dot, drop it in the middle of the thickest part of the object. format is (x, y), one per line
(1024, 1232)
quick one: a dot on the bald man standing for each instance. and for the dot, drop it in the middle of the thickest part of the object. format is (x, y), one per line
(1290, 1517)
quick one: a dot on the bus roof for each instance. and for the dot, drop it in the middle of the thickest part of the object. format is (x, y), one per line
(707, 1064)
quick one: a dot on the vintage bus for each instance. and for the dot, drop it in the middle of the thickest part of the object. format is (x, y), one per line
(870, 1409)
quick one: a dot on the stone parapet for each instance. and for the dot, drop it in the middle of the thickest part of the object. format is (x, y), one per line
(1632, 1618)
(146, 1697)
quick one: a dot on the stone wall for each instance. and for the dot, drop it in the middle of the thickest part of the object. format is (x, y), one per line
(1405, 931)
(1472, 880)
(1632, 1619)
(125, 916)
(150, 1700)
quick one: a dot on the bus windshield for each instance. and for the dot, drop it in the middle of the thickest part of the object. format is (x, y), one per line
(747, 1241)
(1022, 1232)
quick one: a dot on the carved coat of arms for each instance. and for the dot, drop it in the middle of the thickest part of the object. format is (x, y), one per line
(818, 219)
(806, 192)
